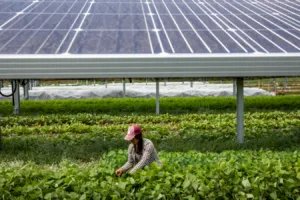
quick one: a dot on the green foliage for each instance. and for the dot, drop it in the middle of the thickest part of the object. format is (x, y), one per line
(191, 175)
(72, 153)
(174, 105)
(51, 138)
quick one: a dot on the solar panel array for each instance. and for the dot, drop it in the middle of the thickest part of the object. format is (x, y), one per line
(149, 26)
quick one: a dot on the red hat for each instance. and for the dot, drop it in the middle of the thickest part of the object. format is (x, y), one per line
(133, 130)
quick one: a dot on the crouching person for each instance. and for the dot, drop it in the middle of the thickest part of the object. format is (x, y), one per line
(141, 151)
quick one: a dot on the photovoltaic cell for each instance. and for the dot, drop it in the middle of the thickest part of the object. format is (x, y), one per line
(4, 17)
(12, 7)
(148, 26)
(51, 44)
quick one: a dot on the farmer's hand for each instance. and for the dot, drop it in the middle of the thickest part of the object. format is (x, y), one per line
(119, 172)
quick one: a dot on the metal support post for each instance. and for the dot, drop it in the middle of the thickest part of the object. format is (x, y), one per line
(26, 90)
(33, 83)
(240, 110)
(157, 96)
(192, 84)
(16, 97)
(30, 84)
(234, 87)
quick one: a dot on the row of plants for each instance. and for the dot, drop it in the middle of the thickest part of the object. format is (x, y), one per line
(51, 138)
(47, 149)
(147, 105)
(37, 140)
(158, 131)
(191, 175)
(206, 126)
(104, 119)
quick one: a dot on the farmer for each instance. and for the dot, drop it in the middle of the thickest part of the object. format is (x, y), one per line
(141, 151)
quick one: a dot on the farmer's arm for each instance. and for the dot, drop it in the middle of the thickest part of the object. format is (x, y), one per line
(129, 164)
(146, 158)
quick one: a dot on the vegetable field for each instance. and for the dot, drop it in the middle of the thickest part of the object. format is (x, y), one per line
(63, 151)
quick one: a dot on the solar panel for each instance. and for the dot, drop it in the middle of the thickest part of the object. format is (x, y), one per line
(149, 26)
(43, 39)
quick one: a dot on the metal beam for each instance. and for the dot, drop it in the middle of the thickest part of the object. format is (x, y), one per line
(148, 66)
(240, 110)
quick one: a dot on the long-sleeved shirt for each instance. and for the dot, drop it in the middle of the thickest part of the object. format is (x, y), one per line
(137, 161)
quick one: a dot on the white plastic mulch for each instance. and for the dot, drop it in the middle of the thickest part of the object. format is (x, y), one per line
(168, 89)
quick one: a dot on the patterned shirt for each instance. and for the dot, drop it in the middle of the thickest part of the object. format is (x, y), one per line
(137, 161)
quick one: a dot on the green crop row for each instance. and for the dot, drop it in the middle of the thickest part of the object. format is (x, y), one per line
(192, 175)
(163, 130)
(100, 119)
(172, 105)
(210, 132)
(52, 148)
(162, 126)
(51, 138)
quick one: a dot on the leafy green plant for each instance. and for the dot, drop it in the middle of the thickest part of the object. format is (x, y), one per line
(191, 175)
(73, 156)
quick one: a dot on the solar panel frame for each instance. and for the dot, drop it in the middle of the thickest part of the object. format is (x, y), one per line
(147, 31)
(141, 66)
